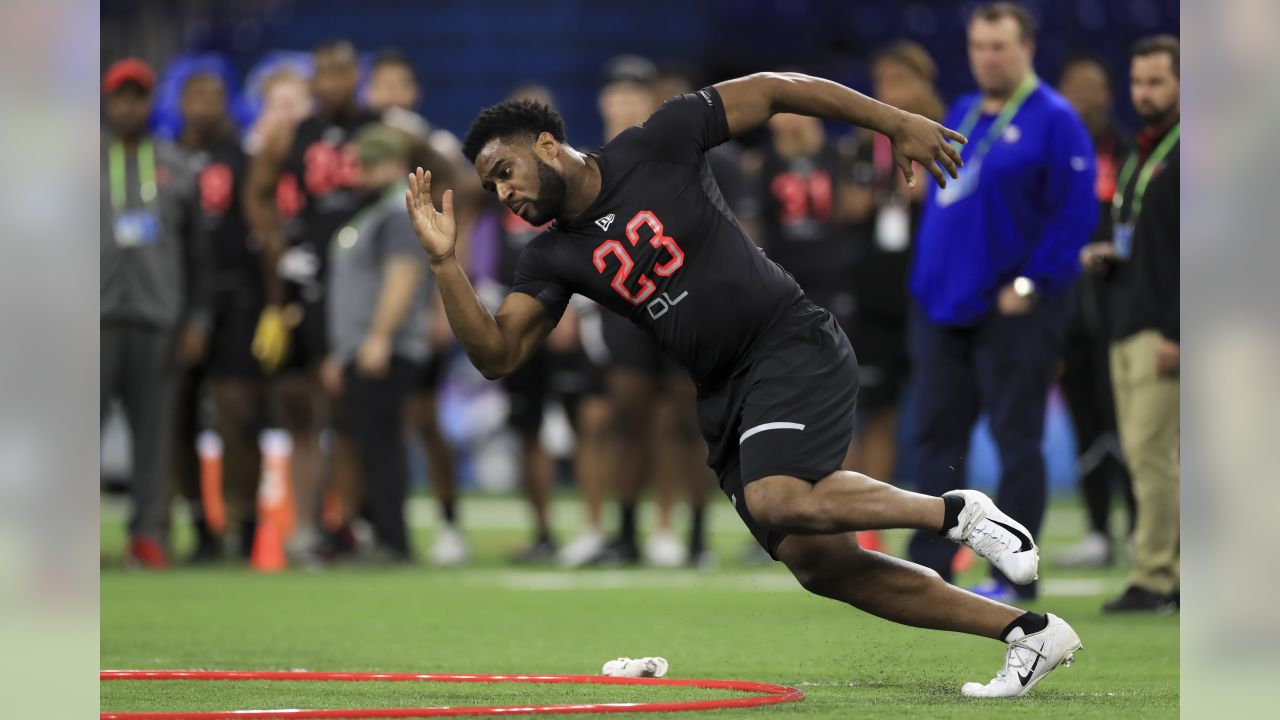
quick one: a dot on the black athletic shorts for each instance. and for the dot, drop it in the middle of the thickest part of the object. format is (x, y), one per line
(790, 412)
(432, 373)
(308, 341)
(235, 320)
(883, 363)
(629, 347)
(566, 376)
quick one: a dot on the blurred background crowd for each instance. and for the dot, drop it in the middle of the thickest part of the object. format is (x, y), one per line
(273, 344)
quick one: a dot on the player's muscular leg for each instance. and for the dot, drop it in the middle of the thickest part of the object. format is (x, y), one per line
(688, 452)
(424, 416)
(833, 566)
(594, 455)
(632, 393)
(539, 480)
(841, 502)
(300, 400)
(239, 422)
(668, 450)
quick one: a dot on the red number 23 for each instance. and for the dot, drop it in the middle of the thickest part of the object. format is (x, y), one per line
(618, 250)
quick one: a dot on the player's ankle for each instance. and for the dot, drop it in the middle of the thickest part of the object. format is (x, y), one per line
(1028, 623)
(952, 505)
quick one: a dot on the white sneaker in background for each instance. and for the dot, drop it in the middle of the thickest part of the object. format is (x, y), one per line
(996, 537)
(582, 550)
(1094, 551)
(1029, 659)
(665, 551)
(450, 548)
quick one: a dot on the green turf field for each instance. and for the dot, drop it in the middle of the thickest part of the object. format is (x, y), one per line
(747, 622)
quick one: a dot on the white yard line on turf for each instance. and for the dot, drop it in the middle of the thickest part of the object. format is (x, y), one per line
(551, 580)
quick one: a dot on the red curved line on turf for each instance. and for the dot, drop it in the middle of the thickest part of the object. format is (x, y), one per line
(770, 695)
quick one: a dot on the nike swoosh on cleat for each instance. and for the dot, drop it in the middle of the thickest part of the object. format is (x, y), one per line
(1024, 679)
(1022, 537)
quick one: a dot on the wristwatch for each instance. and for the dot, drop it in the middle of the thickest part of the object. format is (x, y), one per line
(1025, 288)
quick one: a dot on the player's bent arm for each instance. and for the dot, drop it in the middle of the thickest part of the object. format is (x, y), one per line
(260, 210)
(750, 101)
(497, 344)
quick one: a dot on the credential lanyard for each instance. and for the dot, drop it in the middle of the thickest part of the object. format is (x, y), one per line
(1144, 176)
(146, 174)
(1011, 108)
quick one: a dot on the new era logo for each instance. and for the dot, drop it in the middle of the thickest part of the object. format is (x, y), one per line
(605, 221)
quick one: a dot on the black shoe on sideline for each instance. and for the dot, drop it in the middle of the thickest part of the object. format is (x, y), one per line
(619, 552)
(1139, 599)
(541, 552)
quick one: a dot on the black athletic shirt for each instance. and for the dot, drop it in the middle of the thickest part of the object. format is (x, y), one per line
(799, 224)
(659, 246)
(323, 158)
(220, 171)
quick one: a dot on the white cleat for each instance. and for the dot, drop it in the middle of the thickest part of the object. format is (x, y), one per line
(450, 548)
(996, 537)
(665, 551)
(583, 549)
(1028, 660)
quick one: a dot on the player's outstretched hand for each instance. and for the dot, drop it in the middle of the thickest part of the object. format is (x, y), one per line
(922, 140)
(436, 229)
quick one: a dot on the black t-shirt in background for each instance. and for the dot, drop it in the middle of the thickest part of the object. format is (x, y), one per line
(324, 160)
(220, 171)
(800, 224)
(660, 247)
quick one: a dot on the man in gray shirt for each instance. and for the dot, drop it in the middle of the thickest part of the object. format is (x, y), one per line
(378, 315)
(154, 309)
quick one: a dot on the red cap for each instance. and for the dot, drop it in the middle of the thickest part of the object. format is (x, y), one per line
(128, 70)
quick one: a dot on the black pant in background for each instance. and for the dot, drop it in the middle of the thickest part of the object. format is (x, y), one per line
(1002, 366)
(1086, 385)
(374, 418)
(137, 366)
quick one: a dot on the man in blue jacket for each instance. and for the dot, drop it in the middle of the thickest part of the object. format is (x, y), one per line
(995, 258)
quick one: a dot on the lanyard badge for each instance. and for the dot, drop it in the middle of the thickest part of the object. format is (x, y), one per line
(967, 183)
(137, 226)
(1122, 229)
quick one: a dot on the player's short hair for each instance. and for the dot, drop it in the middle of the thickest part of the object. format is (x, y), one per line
(1086, 57)
(202, 76)
(910, 55)
(391, 57)
(510, 118)
(1167, 44)
(335, 46)
(992, 12)
(630, 70)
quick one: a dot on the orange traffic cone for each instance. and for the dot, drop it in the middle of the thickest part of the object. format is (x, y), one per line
(275, 503)
(268, 547)
(209, 449)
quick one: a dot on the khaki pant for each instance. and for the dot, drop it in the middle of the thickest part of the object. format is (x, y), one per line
(1147, 406)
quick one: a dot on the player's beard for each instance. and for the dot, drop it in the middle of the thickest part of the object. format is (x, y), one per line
(1158, 117)
(551, 194)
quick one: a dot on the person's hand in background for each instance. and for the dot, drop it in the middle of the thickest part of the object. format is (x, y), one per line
(331, 375)
(374, 357)
(191, 345)
(1011, 302)
(1168, 357)
(1096, 257)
